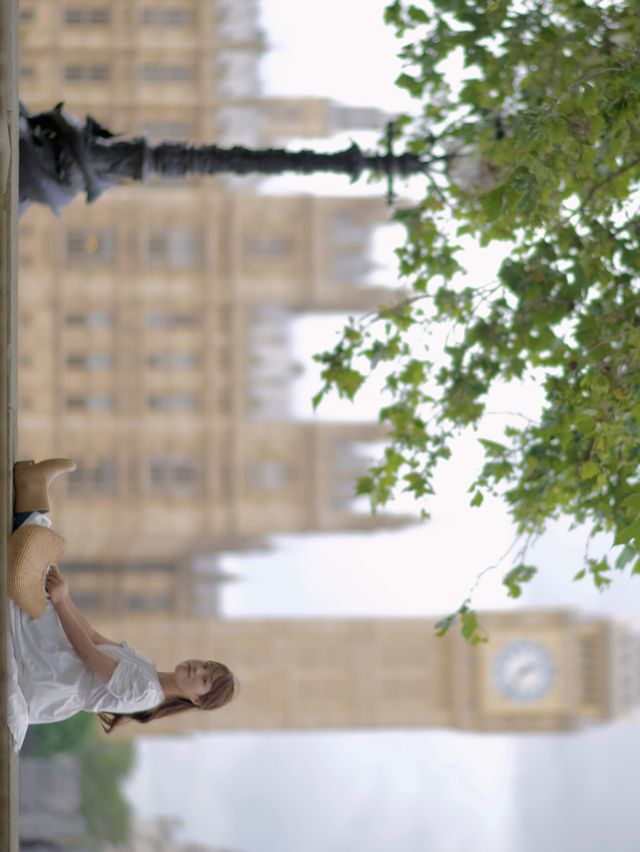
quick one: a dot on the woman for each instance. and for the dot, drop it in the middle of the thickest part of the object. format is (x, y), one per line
(59, 664)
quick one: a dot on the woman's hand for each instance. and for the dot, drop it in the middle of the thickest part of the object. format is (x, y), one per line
(57, 587)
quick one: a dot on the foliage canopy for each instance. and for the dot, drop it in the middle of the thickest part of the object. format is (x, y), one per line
(536, 142)
(103, 767)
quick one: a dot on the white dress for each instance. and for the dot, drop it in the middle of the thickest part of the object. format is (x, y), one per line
(47, 681)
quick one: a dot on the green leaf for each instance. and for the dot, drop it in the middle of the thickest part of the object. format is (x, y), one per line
(628, 554)
(318, 397)
(514, 579)
(445, 624)
(348, 381)
(632, 502)
(492, 203)
(470, 627)
(589, 469)
(413, 86)
(413, 373)
(493, 448)
(417, 15)
(599, 569)
(364, 485)
(627, 534)
(393, 12)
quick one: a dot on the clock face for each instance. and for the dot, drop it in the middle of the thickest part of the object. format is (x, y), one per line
(523, 671)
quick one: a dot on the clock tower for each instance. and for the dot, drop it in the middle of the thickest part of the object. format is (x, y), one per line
(544, 670)
(548, 670)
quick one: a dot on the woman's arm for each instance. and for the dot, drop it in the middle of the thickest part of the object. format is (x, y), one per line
(82, 644)
(96, 638)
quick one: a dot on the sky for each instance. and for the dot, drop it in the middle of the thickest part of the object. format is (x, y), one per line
(431, 790)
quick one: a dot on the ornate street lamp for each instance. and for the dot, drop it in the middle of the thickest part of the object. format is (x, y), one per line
(59, 157)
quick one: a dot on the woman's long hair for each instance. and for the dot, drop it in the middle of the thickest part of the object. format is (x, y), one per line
(223, 689)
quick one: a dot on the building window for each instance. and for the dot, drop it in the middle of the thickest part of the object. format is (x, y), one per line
(83, 568)
(144, 566)
(173, 360)
(93, 478)
(165, 73)
(166, 130)
(413, 687)
(176, 248)
(119, 567)
(163, 319)
(346, 230)
(90, 319)
(91, 402)
(91, 361)
(147, 602)
(86, 599)
(82, 15)
(89, 72)
(590, 683)
(236, 22)
(154, 17)
(90, 247)
(268, 475)
(268, 246)
(351, 266)
(237, 76)
(174, 475)
(172, 402)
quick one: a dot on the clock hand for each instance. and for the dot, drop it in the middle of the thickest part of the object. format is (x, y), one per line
(523, 670)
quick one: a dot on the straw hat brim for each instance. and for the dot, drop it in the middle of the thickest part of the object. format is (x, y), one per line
(32, 550)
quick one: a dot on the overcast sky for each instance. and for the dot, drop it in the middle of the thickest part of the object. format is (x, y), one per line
(410, 791)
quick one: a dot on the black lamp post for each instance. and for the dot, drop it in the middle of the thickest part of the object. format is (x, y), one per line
(60, 157)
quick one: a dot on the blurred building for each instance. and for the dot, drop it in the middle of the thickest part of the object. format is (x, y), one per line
(51, 814)
(541, 670)
(51, 804)
(154, 335)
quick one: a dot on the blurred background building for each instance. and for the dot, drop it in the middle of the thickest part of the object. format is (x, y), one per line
(53, 814)
(50, 804)
(154, 335)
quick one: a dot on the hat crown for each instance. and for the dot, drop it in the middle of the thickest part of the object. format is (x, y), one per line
(32, 549)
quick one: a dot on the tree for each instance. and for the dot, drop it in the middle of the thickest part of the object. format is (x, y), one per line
(537, 145)
(103, 767)
(105, 809)
(70, 735)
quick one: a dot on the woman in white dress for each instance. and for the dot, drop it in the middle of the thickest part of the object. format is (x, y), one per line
(59, 664)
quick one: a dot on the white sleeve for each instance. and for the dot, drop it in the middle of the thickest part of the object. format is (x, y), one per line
(133, 685)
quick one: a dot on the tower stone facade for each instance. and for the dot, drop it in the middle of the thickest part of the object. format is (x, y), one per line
(539, 671)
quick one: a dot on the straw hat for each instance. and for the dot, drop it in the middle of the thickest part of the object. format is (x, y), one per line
(32, 550)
